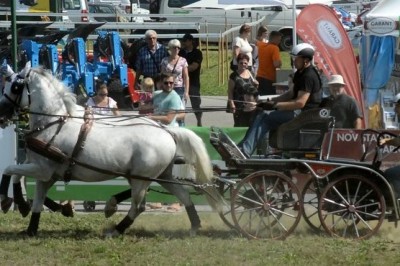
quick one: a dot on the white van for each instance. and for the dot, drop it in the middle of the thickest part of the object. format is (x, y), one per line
(219, 17)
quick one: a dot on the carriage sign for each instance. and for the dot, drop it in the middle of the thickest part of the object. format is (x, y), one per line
(348, 144)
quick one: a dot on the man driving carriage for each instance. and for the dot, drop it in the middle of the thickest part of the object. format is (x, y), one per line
(306, 93)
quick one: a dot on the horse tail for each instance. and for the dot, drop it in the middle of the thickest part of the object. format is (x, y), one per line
(194, 151)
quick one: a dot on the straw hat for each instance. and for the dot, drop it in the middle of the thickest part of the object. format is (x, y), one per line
(336, 79)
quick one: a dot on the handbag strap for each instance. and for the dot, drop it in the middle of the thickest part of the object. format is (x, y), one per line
(173, 70)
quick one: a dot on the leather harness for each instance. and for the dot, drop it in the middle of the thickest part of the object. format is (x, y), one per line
(50, 151)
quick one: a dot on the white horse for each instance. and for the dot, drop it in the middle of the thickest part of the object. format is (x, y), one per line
(65, 144)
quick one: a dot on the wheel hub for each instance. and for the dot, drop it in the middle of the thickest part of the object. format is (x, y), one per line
(266, 206)
(351, 208)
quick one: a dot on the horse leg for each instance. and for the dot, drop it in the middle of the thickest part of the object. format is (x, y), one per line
(138, 192)
(66, 209)
(111, 204)
(23, 206)
(40, 194)
(5, 200)
(184, 197)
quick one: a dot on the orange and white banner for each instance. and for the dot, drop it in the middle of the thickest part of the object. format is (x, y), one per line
(319, 26)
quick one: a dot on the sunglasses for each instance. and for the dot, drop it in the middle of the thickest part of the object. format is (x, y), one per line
(168, 82)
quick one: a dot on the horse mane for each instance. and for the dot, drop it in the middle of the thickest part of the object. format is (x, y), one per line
(68, 98)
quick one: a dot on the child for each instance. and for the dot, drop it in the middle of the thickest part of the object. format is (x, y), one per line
(146, 96)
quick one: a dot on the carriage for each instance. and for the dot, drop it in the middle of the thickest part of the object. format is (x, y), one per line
(333, 178)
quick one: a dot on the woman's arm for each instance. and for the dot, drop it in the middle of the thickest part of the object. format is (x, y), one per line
(185, 76)
(231, 87)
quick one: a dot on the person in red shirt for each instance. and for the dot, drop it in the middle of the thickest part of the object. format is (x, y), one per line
(269, 60)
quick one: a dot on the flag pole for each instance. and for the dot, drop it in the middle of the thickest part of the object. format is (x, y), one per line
(294, 37)
(294, 22)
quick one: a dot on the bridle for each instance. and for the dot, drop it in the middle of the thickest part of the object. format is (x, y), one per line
(17, 88)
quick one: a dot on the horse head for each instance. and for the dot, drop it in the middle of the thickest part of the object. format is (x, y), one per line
(13, 98)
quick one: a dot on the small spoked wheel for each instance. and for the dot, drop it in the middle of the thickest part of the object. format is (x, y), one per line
(266, 205)
(89, 205)
(352, 206)
(310, 203)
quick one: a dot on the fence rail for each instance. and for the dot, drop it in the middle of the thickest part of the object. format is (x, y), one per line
(127, 31)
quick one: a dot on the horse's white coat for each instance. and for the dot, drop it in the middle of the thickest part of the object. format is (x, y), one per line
(137, 147)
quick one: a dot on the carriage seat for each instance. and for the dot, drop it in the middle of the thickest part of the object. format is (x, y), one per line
(305, 132)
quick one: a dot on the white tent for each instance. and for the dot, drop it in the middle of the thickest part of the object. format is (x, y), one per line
(307, 2)
(383, 20)
(232, 4)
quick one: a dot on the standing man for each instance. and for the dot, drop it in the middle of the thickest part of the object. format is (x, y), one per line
(194, 57)
(167, 103)
(269, 59)
(343, 107)
(149, 57)
(306, 93)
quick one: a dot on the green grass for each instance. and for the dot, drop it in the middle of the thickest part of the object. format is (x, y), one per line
(163, 239)
(209, 76)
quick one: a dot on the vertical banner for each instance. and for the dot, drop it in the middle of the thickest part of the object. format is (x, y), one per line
(318, 25)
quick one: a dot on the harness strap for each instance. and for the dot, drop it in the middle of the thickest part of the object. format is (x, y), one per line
(80, 143)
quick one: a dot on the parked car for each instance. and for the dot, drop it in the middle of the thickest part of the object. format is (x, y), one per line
(123, 4)
(127, 7)
(75, 10)
(115, 14)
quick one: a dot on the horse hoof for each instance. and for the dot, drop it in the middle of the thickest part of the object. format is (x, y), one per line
(112, 234)
(67, 210)
(193, 232)
(6, 204)
(111, 207)
(110, 231)
(24, 209)
(28, 233)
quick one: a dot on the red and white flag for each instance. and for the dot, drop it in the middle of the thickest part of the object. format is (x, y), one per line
(319, 26)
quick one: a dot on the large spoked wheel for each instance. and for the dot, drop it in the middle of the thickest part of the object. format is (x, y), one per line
(352, 206)
(266, 204)
(310, 203)
(225, 189)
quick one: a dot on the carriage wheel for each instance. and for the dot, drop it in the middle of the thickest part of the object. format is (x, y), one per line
(266, 204)
(226, 214)
(89, 205)
(309, 196)
(352, 206)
